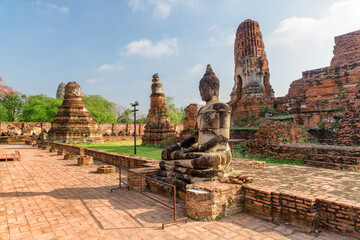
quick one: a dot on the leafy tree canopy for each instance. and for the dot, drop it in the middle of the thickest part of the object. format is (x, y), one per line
(125, 115)
(177, 115)
(40, 108)
(102, 110)
(11, 106)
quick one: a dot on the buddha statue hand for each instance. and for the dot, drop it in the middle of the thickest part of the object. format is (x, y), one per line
(209, 144)
(166, 153)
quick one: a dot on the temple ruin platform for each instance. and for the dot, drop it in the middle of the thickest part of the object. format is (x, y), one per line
(45, 197)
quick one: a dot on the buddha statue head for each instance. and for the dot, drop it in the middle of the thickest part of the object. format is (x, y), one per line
(209, 85)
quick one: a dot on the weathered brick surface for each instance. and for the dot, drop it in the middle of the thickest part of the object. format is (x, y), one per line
(213, 200)
(321, 94)
(252, 89)
(191, 112)
(16, 139)
(115, 159)
(45, 197)
(158, 126)
(73, 122)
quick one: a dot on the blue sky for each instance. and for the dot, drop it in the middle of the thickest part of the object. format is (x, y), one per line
(113, 47)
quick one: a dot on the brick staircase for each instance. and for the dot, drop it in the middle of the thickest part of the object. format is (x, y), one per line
(334, 157)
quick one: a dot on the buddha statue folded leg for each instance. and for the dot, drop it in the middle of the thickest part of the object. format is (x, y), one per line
(189, 172)
(204, 161)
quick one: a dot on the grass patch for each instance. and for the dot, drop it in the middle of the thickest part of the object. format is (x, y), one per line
(127, 147)
(240, 152)
(271, 161)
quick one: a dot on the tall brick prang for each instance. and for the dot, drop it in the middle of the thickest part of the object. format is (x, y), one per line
(252, 77)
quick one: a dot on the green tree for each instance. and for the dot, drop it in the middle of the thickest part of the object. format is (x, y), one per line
(125, 115)
(40, 108)
(177, 115)
(11, 106)
(102, 110)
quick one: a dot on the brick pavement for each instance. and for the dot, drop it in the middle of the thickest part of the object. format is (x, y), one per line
(45, 197)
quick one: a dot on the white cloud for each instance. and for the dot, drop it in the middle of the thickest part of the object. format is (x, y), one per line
(95, 80)
(135, 4)
(147, 48)
(48, 7)
(162, 8)
(110, 67)
(342, 17)
(197, 69)
(222, 36)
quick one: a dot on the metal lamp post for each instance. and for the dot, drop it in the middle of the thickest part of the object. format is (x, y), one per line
(134, 104)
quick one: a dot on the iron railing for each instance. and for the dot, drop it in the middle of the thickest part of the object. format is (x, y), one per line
(142, 192)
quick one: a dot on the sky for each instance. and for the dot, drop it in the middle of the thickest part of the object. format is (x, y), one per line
(112, 48)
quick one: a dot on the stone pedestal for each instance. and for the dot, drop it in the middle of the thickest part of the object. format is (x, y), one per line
(52, 149)
(70, 156)
(211, 201)
(85, 161)
(62, 152)
(158, 126)
(106, 169)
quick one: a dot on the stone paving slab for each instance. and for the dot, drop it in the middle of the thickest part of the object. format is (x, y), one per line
(45, 197)
(309, 182)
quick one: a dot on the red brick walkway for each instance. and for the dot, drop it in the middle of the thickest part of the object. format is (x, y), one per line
(45, 197)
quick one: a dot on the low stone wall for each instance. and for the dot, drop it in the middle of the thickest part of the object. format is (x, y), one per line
(279, 151)
(15, 139)
(115, 159)
(35, 128)
(117, 138)
(213, 200)
(24, 128)
(300, 151)
(242, 133)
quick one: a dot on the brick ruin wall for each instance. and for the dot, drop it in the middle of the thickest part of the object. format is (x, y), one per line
(212, 200)
(215, 200)
(115, 159)
(320, 97)
(117, 129)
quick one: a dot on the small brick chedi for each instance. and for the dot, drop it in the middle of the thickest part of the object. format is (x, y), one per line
(73, 123)
(252, 87)
(191, 113)
(205, 155)
(158, 126)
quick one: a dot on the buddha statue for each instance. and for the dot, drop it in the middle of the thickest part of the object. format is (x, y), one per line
(205, 155)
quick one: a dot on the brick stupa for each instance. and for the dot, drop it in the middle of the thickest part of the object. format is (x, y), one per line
(73, 123)
(191, 113)
(252, 89)
(158, 126)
